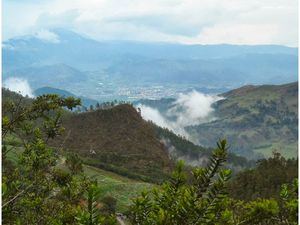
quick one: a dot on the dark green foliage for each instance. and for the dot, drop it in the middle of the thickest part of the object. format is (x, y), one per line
(74, 163)
(202, 199)
(37, 188)
(109, 105)
(265, 180)
(289, 202)
(91, 215)
(62, 177)
(183, 201)
(109, 205)
(283, 211)
(32, 191)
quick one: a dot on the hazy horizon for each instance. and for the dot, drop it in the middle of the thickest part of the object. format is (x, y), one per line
(181, 21)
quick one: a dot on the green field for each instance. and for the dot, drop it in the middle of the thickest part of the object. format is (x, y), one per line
(286, 150)
(121, 188)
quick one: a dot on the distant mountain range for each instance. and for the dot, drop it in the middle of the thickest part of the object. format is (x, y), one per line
(87, 54)
(50, 75)
(77, 63)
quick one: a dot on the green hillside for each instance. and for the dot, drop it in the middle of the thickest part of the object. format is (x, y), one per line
(256, 120)
(121, 188)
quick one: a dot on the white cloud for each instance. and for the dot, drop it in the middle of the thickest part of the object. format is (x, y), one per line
(189, 109)
(65, 19)
(188, 21)
(154, 115)
(18, 85)
(242, 34)
(151, 114)
(47, 36)
(193, 108)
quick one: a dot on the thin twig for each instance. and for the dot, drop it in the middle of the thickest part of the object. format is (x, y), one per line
(16, 196)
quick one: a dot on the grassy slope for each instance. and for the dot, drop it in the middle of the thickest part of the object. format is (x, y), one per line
(284, 93)
(256, 119)
(121, 188)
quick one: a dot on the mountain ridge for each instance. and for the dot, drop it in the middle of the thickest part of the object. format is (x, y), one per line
(208, 65)
(86, 102)
(258, 119)
(116, 137)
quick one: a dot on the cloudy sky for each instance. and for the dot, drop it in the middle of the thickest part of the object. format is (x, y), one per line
(184, 21)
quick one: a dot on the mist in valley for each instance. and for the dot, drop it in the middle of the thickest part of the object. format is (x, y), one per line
(18, 85)
(187, 109)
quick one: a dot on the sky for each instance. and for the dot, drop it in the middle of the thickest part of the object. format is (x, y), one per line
(183, 21)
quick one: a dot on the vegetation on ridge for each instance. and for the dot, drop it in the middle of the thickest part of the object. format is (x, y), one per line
(117, 139)
(47, 185)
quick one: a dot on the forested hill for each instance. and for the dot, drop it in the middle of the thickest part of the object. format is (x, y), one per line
(117, 139)
(256, 120)
(63, 64)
